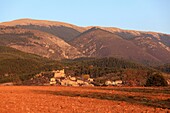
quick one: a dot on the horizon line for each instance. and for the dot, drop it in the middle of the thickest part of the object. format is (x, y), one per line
(50, 20)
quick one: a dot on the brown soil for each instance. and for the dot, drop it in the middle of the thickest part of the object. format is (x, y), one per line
(58, 99)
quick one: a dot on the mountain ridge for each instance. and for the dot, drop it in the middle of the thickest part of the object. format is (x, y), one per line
(141, 46)
(82, 28)
(28, 21)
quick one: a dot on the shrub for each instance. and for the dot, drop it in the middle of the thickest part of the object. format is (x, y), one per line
(156, 79)
(85, 76)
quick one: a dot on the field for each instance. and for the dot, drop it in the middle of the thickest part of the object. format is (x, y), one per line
(59, 99)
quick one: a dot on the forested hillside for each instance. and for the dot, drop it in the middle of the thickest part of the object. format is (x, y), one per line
(15, 64)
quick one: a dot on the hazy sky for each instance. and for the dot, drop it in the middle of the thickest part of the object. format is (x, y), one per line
(147, 15)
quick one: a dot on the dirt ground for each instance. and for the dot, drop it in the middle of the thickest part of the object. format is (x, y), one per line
(59, 99)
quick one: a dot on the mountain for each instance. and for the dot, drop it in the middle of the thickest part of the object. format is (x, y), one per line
(63, 30)
(37, 42)
(156, 44)
(97, 42)
(71, 41)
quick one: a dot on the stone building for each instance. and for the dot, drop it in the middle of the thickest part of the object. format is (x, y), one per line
(59, 73)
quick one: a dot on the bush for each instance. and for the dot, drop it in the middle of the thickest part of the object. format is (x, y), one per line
(85, 76)
(156, 79)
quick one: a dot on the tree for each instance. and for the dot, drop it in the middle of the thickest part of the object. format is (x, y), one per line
(156, 79)
(85, 76)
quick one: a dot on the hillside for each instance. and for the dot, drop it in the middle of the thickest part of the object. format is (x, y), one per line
(60, 29)
(155, 44)
(103, 69)
(100, 66)
(70, 41)
(97, 42)
(164, 68)
(15, 64)
(37, 42)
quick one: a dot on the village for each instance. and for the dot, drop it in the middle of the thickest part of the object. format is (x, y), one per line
(58, 77)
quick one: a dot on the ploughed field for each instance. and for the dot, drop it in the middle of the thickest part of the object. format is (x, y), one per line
(59, 99)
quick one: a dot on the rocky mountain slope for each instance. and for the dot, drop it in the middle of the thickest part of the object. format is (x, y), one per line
(100, 43)
(62, 40)
(156, 44)
(37, 42)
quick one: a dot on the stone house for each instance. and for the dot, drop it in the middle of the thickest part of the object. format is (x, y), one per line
(59, 73)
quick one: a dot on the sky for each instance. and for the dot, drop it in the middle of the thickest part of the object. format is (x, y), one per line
(144, 15)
